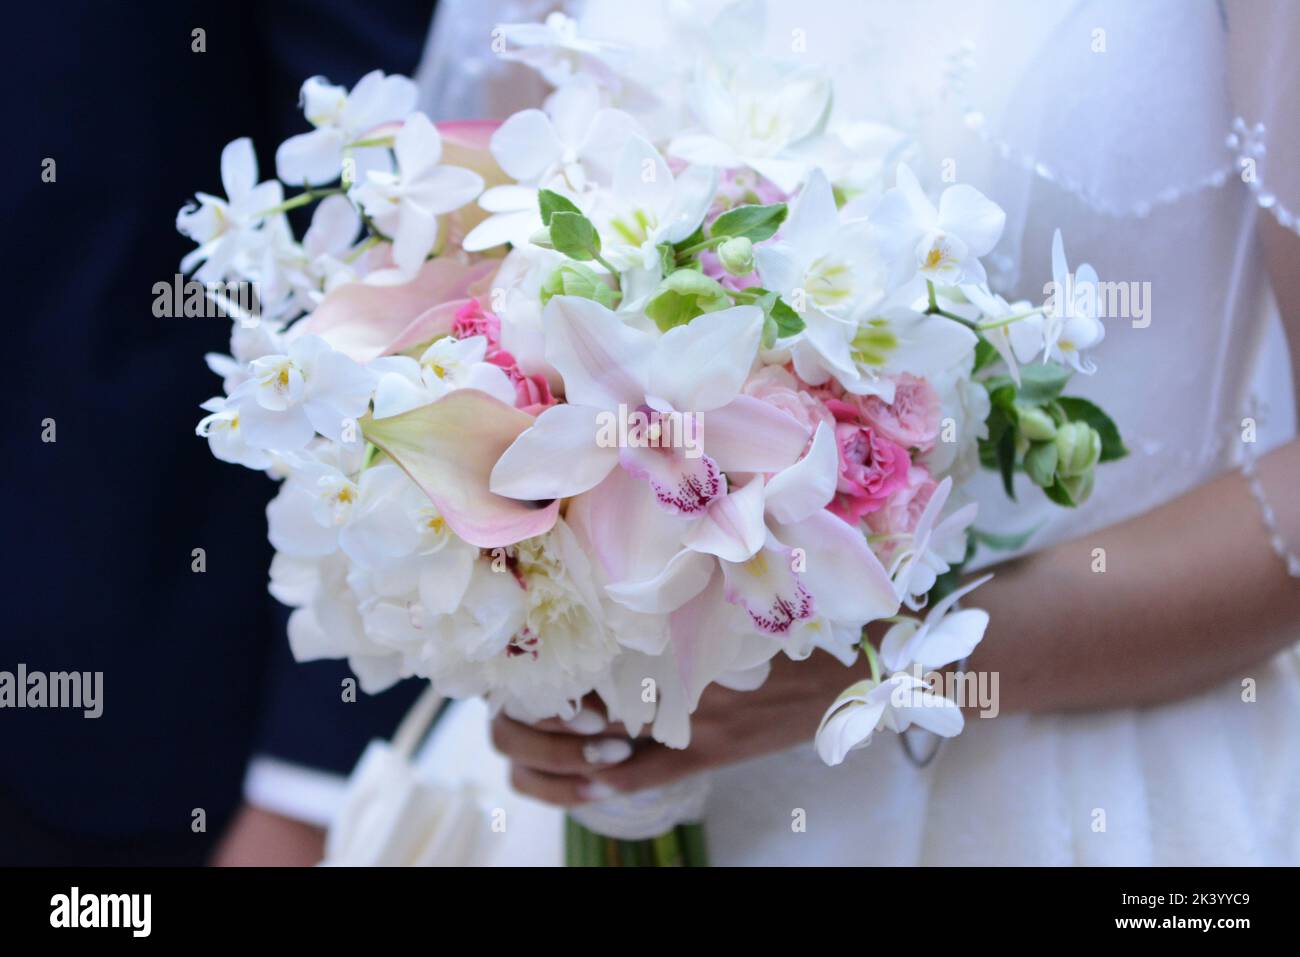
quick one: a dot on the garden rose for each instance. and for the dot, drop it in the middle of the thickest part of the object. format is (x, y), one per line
(872, 467)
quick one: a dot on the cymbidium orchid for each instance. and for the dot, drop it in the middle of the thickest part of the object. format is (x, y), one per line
(647, 205)
(687, 380)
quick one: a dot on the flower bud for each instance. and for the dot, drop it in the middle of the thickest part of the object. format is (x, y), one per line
(1035, 424)
(542, 238)
(1078, 448)
(737, 256)
(1079, 487)
(575, 279)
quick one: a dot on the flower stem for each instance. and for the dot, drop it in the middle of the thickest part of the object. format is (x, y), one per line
(701, 246)
(1008, 320)
(302, 199)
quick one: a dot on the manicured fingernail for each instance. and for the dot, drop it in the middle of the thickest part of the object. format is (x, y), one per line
(607, 751)
(596, 791)
(586, 721)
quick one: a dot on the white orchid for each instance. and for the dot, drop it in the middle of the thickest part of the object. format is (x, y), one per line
(1071, 323)
(556, 49)
(933, 547)
(228, 230)
(755, 115)
(405, 205)
(1015, 330)
(288, 398)
(356, 124)
(567, 148)
(943, 244)
(221, 428)
(894, 704)
(941, 639)
(448, 363)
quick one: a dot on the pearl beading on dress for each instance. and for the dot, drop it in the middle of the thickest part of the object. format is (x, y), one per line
(1247, 143)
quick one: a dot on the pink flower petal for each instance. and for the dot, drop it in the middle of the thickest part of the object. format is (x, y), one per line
(448, 448)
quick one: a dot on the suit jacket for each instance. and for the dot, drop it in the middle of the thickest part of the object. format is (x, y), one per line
(101, 524)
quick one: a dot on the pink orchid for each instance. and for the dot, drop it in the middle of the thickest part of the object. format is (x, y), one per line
(623, 386)
(767, 558)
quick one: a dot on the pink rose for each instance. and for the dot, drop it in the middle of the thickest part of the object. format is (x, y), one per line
(532, 392)
(777, 386)
(872, 468)
(911, 420)
(903, 510)
(473, 320)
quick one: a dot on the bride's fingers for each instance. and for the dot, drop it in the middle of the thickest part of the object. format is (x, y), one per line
(651, 766)
(556, 753)
(558, 789)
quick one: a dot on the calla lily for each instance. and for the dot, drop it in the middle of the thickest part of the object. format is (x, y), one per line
(448, 448)
(610, 370)
(364, 321)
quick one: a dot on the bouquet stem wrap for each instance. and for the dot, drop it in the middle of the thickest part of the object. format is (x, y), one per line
(656, 827)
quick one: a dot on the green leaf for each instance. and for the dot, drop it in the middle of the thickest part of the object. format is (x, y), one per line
(667, 258)
(1040, 463)
(1002, 395)
(1004, 543)
(1007, 461)
(550, 202)
(755, 223)
(693, 239)
(1081, 410)
(1042, 382)
(683, 296)
(788, 322)
(573, 235)
(985, 354)
(1057, 493)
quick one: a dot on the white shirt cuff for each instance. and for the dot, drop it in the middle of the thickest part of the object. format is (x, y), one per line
(293, 790)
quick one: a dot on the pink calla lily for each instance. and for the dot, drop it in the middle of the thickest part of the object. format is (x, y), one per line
(365, 322)
(448, 448)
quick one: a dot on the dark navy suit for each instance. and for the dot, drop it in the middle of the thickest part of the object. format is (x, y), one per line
(99, 526)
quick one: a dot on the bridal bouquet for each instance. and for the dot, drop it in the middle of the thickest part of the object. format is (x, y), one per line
(608, 399)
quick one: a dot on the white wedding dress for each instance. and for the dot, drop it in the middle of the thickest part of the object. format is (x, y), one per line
(1109, 119)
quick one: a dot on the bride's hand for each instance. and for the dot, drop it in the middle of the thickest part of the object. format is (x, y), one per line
(567, 765)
